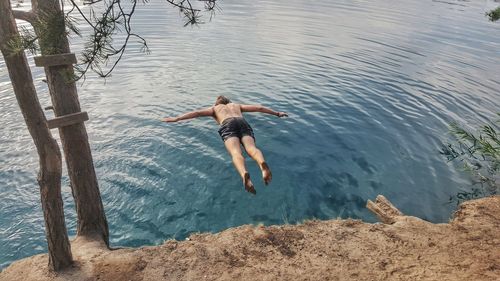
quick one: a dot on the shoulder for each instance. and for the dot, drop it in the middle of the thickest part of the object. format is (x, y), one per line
(217, 108)
(205, 112)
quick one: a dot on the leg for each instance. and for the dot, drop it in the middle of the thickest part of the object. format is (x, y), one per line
(233, 147)
(256, 154)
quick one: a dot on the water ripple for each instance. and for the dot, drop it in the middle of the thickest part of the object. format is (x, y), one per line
(370, 87)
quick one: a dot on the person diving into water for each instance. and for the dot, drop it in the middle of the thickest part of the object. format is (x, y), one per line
(235, 132)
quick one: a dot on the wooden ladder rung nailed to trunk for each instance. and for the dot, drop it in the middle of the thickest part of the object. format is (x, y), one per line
(59, 59)
(67, 120)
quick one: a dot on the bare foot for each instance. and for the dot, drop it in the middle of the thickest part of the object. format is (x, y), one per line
(248, 184)
(267, 176)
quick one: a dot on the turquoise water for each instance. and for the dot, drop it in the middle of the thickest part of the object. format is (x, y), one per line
(370, 87)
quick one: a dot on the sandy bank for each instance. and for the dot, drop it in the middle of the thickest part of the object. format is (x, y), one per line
(466, 248)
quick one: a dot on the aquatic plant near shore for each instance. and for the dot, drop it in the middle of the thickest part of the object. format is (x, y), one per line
(494, 15)
(480, 155)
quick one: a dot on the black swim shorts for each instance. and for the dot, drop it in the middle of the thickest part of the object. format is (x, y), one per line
(235, 127)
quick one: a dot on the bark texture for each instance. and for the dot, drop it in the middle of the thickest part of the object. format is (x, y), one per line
(49, 177)
(90, 211)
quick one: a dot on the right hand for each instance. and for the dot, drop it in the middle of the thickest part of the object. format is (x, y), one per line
(282, 114)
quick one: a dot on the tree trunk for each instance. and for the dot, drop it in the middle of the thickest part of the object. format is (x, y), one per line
(91, 218)
(49, 177)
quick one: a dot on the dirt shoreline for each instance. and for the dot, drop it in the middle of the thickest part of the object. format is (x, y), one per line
(407, 248)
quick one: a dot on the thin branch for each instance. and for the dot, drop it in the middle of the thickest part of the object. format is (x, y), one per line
(114, 18)
(82, 14)
(23, 15)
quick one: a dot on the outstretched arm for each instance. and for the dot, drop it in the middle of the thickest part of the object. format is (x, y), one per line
(263, 109)
(193, 114)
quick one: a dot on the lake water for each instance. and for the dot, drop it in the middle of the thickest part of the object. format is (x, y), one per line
(370, 87)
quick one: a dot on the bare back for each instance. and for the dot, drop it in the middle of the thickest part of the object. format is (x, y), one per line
(224, 111)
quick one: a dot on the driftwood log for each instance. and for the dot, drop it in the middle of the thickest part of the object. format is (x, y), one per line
(384, 210)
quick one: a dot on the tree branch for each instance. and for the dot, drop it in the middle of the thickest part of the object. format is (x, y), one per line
(34, 6)
(26, 16)
(113, 18)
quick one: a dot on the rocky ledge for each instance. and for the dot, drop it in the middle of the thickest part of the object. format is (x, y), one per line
(400, 248)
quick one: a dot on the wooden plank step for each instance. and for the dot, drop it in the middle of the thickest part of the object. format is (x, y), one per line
(59, 59)
(67, 120)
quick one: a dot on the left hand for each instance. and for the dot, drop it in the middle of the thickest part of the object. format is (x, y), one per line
(282, 114)
(169, 119)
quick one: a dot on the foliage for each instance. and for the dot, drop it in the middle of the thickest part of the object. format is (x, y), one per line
(50, 29)
(494, 15)
(100, 50)
(479, 154)
(26, 40)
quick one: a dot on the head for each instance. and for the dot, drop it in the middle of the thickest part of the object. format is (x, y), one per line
(222, 100)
